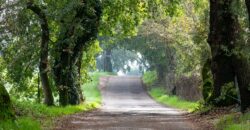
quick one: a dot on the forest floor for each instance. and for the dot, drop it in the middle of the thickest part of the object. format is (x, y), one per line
(127, 106)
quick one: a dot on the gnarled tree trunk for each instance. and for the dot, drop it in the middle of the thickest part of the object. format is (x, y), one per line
(43, 66)
(66, 69)
(223, 38)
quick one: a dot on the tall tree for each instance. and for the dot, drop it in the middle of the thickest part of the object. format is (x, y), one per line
(70, 46)
(43, 66)
(223, 39)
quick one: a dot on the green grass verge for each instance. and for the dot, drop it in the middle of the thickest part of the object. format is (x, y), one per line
(90, 90)
(159, 94)
(34, 116)
(234, 122)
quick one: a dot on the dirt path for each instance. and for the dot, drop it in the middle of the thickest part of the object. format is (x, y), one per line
(126, 106)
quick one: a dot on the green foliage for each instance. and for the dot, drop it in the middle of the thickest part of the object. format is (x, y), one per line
(37, 116)
(40, 110)
(149, 78)
(228, 95)
(207, 78)
(89, 61)
(159, 94)
(234, 121)
(20, 124)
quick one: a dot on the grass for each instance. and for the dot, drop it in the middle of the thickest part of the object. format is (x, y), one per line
(22, 123)
(34, 116)
(159, 95)
(234, 121)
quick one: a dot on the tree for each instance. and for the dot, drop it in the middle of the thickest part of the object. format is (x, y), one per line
(70, 46)
(223, 39)
(43, 66)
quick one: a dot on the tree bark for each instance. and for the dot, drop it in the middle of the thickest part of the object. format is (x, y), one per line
(43, 66)
(224, 36)
(65, 67)
(79, 66)
(62, 72)
(6, 110)
(222, 40)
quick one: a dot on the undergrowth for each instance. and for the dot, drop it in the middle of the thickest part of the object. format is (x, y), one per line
(34, 116)
(234, 121)
(160, 95)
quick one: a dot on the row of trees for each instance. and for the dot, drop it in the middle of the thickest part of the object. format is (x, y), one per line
(210, 44)
(57, 40)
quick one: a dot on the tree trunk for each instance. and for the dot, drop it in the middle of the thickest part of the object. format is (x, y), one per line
(65, 67)
(6, 110)
(43, 66)
(107, 61)
(224, 36)
(242, 71)
(79, 66)
(248, 10)
(222, 39)
(62, 73)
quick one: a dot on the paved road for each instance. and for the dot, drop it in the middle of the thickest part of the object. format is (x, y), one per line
(126, 106)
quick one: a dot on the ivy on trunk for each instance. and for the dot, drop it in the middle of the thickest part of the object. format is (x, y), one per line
(223, 39)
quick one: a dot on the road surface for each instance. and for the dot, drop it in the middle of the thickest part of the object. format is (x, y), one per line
(126, 106)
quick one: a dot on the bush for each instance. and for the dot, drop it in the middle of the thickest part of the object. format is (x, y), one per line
(234, 122)
(228, 95)
(149, 78)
